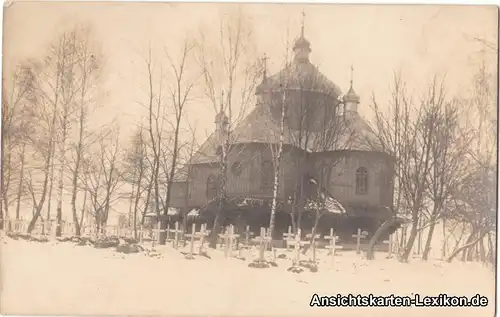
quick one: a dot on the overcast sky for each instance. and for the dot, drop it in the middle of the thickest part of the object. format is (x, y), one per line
(377, 40)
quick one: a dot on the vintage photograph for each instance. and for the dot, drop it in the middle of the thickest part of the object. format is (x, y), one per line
(230, 159)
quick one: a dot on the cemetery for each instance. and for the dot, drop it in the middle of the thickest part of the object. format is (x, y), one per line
(140, 274)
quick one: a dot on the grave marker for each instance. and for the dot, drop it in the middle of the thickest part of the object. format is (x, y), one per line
(263, 239)
(203, 233)
(390, 243)
(192, 236)
(298, 243)
(288, 236)
(316, 236)
(358, 237)
(176, 231)
(228, 240)
(157, 236)
(333, 241)
(248, 235)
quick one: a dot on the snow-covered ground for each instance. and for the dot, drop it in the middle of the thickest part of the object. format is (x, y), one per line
(62, 278)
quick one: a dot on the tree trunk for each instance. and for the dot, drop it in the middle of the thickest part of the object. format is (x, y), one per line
(222, 194)
(74, 193)
(470, 238)
(51, 185)
(427, 247)
(60, 188)
(136, 202)
(277, 167)
(131, 205)
(82, 213)
(376, 236)
(21, 180)
(468, 245)
(411, 239)
(38, 207)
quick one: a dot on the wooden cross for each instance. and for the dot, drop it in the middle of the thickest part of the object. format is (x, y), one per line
(228, 240)
(288, 236)
(358, 237)
(316, 236)
(176, 232)
(263, 239)
(157, 235)
(167, 234)
(333, 240)
(298, 243)
(390, 243)
(203, 233)
(192, 236)
(248, 235)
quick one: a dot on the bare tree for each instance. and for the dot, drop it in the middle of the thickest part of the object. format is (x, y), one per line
(475, 199)
(405, 131)
(69, 89)
(53, 81)
(102, 176)
(16, 124)
(136, 169)
(180, 93)
(87, 71)
(229, 67)
(448, 150)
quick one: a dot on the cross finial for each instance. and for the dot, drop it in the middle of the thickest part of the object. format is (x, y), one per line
(352, 74)
(222, 101)
(303, 21)
(264, 64)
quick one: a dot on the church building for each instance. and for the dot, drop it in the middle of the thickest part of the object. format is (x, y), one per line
(329, 153)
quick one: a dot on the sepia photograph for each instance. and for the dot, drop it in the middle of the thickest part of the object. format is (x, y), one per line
(248, 159)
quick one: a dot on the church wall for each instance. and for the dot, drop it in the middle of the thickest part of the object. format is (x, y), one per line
(198, 182)
(343, 177)
(249, 182)
(177, 197)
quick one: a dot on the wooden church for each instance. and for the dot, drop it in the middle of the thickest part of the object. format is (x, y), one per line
(330, 159)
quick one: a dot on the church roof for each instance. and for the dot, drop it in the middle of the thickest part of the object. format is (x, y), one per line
(302, 75)
(351, 95)
(261, 127)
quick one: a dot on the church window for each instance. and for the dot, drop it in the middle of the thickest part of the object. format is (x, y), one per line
(236, 169)
(211, 187)
(361, 181)
(267, 175)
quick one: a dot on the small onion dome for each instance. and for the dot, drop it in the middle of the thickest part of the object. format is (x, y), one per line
(351, 96)
(302, 42)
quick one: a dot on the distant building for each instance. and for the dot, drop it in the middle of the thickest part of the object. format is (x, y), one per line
(360, 179)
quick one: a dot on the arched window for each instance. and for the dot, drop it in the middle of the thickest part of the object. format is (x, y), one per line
(267, 178)
(211, 187)
(361, 181)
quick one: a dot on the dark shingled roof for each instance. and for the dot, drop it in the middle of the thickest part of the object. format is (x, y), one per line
(260, 127)
(304, 76)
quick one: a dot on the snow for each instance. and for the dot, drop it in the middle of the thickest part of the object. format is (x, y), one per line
(61, 278)
(194, 212)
